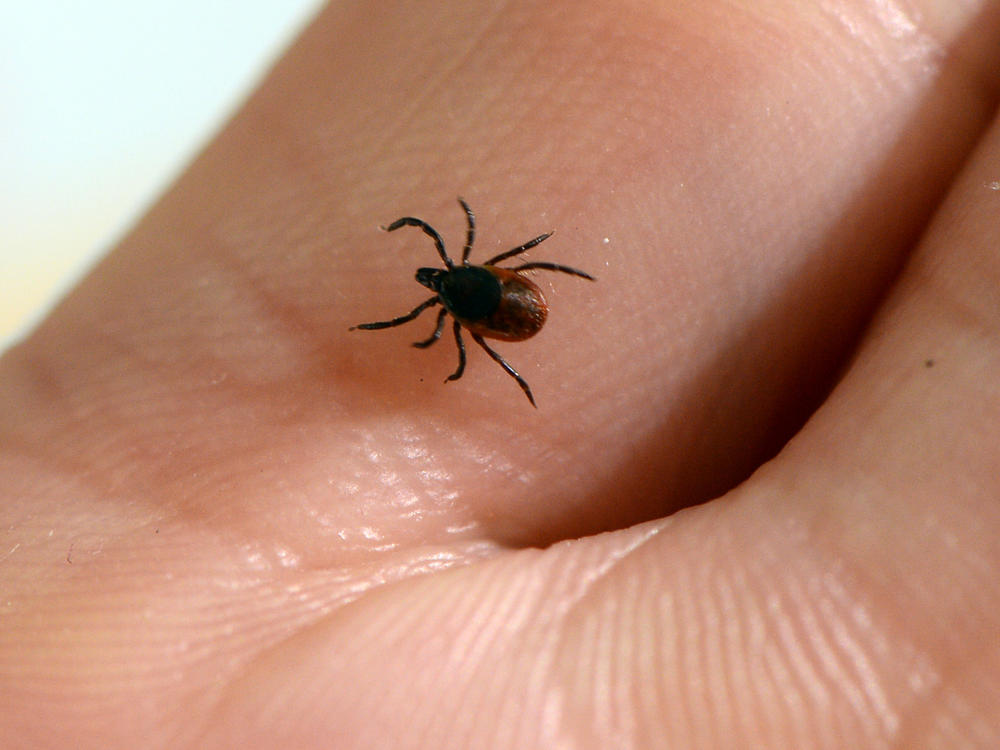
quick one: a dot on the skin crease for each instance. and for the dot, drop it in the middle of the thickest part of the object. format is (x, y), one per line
(230, 522)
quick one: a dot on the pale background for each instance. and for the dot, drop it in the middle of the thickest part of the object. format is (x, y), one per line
(101, 104)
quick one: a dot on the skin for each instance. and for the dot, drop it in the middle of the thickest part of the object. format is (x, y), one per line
(227, 521)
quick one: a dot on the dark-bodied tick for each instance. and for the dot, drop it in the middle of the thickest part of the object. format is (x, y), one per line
(488, 301)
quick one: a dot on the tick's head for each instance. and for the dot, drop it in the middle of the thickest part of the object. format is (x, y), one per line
(431, 277)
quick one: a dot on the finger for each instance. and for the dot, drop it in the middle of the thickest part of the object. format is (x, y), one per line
(211, 350)
(845, 597)
(194, 389)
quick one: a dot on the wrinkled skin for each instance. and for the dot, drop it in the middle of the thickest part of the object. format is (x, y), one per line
(227, 521)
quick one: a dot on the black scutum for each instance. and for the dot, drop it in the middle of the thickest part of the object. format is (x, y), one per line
(472, 293)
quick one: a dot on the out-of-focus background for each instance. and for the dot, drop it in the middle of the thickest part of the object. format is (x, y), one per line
(101, 105)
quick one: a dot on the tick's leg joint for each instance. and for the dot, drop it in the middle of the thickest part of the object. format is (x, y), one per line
(400, 320)
(470, 235)
(437, 331)
(518, 250)
(510, 370)
(409, 221)
(461, 354)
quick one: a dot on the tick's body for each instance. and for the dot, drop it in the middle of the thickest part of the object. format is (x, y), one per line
(496, 303)
(489, 301)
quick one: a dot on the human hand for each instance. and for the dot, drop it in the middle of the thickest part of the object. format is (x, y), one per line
(231, 522)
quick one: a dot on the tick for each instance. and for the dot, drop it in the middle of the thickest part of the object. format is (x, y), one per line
(490, 302)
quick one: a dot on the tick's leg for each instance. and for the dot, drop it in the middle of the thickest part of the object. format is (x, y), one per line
(409, 221)
(510, 370)
(461, 354)
(518, 250)
(554, 267)
(400, 320)
(470, 236)
(437, 332)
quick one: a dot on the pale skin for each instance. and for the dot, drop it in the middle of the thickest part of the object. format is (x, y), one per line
(228, 521)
